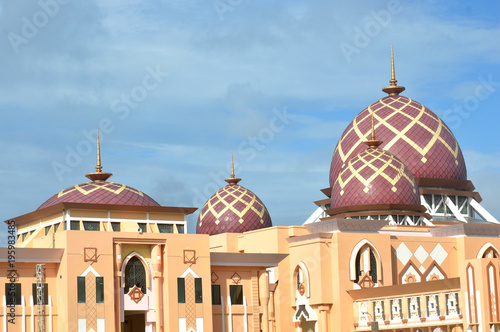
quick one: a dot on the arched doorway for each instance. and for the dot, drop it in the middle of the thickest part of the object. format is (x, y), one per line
(135, 288)
(308, 326)
(135, 321)
(135, 275)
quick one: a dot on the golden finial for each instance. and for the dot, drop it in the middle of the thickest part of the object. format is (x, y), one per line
(232, 179)
(98, 168)
(393, 89)
(373, 143)
(232, 165)
(393, 80)
(98, 175)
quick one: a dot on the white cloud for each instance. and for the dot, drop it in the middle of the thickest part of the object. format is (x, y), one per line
(225, 79)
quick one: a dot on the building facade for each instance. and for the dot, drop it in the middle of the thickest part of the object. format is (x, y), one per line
(399, 243)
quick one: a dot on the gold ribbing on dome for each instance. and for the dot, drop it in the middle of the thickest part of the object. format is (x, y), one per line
(232, 179)
(373, 143)
(98, 175)
(393, 89)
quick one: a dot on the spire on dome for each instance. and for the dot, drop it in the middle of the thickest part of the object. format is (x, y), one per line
(98, 167)
(393, 89)
(373, 143)
(232, 179)
(98, 175)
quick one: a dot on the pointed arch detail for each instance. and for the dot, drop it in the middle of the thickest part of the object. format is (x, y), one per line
(492, 291)
(354, 253)
(305, 273)
(410, 265)
(190, 271)
(471, 293)
(485, 247)
(88, 270)
(144, 263)
(433, 264)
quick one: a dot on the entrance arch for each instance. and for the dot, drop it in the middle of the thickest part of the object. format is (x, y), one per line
(135, 275)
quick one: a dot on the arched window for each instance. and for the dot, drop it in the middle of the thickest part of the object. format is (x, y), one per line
(488, 250)
(135, 275)
(490, 253)
(301, 278)
(366, 267)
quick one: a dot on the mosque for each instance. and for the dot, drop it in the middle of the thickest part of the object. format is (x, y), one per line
(400, 242)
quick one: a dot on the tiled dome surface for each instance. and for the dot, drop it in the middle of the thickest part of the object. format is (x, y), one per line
(101, 193)
(374, 176)
(232, 209)
(411, 132)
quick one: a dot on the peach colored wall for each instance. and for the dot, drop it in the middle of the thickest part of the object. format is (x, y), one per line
(250, 292)
(28, 225)
(428, 243)
(326, 256)
(174, 267)
(166, 216)
(283, 297)
(75, 265)
(39, 222)
(128, 215)
(472, 245)
(269, 240)
(314, 254)
(225, 242)
(342, 250)
(27, 272)
(481, 285)
(74, 213)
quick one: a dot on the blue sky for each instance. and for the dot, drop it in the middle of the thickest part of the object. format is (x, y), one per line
(179, 84)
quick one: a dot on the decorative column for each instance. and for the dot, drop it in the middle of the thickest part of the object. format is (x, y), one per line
(156, 263)
(264, 299)
(255, 301)
(323, 320)
(118, 275)
(272, 313)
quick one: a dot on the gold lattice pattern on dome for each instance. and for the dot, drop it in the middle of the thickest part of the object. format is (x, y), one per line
(400, 134)
(88, 188)
(368, 159)
(238, 193)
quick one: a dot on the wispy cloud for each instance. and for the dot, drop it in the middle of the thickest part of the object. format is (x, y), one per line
(225, 79)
